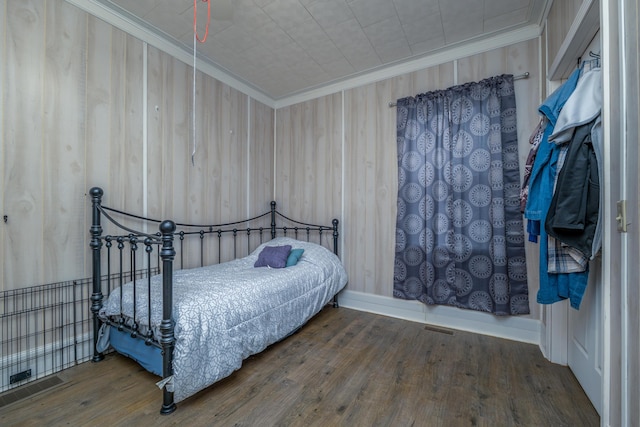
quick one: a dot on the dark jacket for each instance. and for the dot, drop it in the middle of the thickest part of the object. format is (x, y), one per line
(573, 214)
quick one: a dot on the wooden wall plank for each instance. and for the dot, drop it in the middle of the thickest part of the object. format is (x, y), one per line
(159, 95)
(23, 143)
(261, 147)
(115, 192)
(177, 155)
(98, 129)
(132, 142)
(64, 104)
(363, 114)
(196, 168)
(309, 159)
(3, 57)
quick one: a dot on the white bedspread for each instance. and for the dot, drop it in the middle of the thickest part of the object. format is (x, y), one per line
(226, 312)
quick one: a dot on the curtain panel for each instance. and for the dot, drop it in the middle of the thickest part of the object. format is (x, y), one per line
(459, 229)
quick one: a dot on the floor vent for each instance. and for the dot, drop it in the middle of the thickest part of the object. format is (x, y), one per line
(29, 390)
(439, 330)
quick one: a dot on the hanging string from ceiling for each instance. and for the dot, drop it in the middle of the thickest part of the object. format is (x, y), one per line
(196, 39)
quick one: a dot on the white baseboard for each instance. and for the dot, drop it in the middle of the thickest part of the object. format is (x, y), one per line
(512, 328)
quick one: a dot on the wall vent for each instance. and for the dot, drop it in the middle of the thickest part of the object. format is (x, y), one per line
(20, 376)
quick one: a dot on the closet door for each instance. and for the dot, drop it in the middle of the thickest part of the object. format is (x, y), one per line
(585, 326)
(630, 293)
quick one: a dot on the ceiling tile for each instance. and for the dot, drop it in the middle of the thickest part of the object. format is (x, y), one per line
(501, 7)
(451, 9)
(348, 33)
(272, 35)
(330, 13)
(393, 51)
(385, 32)
(338, 68)
(416, 10)
(369, 12)
(263, 3)
(428, 28)
(309, 33)
(287, 14)
(236, 38)
(323, 53)
(250, 17)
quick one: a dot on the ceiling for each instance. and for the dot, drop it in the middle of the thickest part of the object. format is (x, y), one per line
(286, 47)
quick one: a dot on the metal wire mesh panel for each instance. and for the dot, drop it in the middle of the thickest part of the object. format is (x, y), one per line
(45, 329)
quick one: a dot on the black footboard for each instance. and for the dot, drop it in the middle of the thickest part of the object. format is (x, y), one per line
(163, 240)
(126, 255)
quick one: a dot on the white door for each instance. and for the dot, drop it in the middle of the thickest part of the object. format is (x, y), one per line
(630, 295)
(585, 326)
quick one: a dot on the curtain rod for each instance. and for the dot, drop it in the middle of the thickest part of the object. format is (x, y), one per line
(518, 77)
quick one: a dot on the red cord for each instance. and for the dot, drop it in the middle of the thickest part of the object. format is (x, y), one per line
(195, 19)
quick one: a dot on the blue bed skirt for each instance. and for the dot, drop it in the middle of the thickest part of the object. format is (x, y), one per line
(148, 356)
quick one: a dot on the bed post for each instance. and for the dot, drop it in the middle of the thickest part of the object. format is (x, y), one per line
(167, 339)
(335, 236)
(335, 251)
(96, 245)
(273, 219)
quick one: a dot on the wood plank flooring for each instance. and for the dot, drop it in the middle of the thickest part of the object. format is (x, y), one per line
(344, 368)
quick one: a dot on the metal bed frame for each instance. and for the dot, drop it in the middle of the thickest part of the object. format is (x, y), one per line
(159, 257)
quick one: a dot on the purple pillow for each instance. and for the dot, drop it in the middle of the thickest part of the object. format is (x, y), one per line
(273, 256)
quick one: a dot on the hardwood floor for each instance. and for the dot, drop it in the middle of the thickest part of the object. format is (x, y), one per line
(344, 368)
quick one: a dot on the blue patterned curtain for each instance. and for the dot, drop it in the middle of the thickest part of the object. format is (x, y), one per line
(459, 231)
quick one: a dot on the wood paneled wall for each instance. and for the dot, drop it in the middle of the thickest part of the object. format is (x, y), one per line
(261, 153)
(561, 16)
(308, 174)
(24, 205)
(369, 167)
(73, 116)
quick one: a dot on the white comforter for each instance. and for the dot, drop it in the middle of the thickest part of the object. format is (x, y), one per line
(226, 312)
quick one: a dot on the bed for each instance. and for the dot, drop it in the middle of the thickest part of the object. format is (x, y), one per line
(194, 326)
